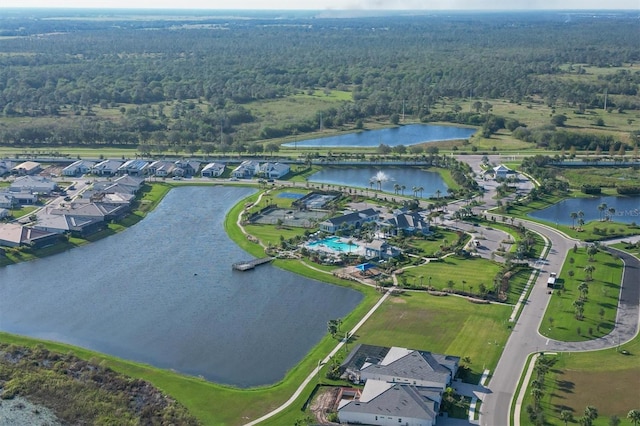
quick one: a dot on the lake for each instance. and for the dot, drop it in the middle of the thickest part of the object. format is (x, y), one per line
(411, 134)
(163, 292)
(627, 210)
(362, 177)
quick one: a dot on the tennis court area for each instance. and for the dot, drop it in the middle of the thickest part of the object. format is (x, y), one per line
(290, 217)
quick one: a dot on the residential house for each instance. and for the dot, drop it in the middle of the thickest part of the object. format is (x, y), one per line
(273, 170)
(5, 167)
(213, 170)
(6, 200)
(402, 386)
(356, 219)
(78, 168)
(409, 223)
(124, 184)
(85, 209)
(26, 168)
(61, 224)
(161, 168)
(34, 185)
(380, 249)
(106, 168)
(24, 198)
(246, 170)
(383, 403)
(133, 168)
(186, 168)
(15, 235)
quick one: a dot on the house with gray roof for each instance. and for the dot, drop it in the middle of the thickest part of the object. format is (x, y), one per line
(5, 167)
(106, 168)
(133, 168)
(384, 403)
(78, 168)
(407, 222)
(33, 185)
(380, 249)
(87, 210)
(273, 170)
(357, 219)
(124, 184)
(213, 170)
(62, 224)
(161, 168)
(7, 201)
(186, 168)
(246, 170)
(402, 386)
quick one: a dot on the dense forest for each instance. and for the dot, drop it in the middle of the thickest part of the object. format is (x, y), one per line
(190, 78)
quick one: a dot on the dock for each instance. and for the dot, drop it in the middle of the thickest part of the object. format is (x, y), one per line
(247, 265)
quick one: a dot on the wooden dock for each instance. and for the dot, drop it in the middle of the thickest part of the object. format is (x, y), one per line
(247, 265)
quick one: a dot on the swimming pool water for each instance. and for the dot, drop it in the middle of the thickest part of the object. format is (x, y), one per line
(335, 243)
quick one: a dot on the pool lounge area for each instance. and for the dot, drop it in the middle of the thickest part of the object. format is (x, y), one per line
(335, 245)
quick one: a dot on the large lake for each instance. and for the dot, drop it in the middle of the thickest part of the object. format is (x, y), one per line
(364, 177)
(411, 134)
(627, 210)
(163, 292)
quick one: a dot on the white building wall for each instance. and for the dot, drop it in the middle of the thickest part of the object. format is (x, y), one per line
(378, 420)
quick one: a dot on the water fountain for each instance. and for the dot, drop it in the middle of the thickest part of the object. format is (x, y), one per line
(379, 178)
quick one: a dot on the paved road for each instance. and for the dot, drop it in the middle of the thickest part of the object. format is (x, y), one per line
(525, 338)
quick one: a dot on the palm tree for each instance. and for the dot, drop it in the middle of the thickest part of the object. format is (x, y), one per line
(573, 216)
(591, 412)
(579, 308)
(612, 211)
(583, 288)
(537, 395)
(420, 189)
(602, 207)
(589, 271)
(402, 188)
(614, 420)
(396, 188)
(634, 416)
(438, 192)
(580, 223)
(566, 416)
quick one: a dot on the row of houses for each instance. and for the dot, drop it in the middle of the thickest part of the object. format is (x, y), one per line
(105, 202)
(25, 190)
(401, 386)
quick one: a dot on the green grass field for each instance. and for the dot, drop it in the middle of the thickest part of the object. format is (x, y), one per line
(601, 305)
(466, 274)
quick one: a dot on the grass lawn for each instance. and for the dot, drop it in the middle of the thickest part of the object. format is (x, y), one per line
(466, 274)
(432, 243)
(517, 282)
(601, 305)
(271, 233)
(633, 249)
(607, 380)
(448, 325)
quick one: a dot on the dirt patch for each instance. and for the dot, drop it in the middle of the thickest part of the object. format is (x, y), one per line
(397, 300)
(324, 403)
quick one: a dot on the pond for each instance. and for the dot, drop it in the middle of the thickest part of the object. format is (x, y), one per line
(411, 134)
(383, 177)
(163, 292)
(625, 210)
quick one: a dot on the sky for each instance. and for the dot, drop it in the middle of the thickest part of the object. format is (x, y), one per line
(334, 4)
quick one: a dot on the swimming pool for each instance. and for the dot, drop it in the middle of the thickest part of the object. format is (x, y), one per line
(335, 243)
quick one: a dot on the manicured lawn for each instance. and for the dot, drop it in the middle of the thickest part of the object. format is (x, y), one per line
(450, 325)
(607, 380)
(431, 244)
(517, 282)
(633, 249)
(602, 298)
(271, 233)
(466, 274)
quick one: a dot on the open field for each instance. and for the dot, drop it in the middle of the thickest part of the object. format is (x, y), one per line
(600, 306)
(449, 325)
(607, 380)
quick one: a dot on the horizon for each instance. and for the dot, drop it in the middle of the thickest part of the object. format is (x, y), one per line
(327, 5)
